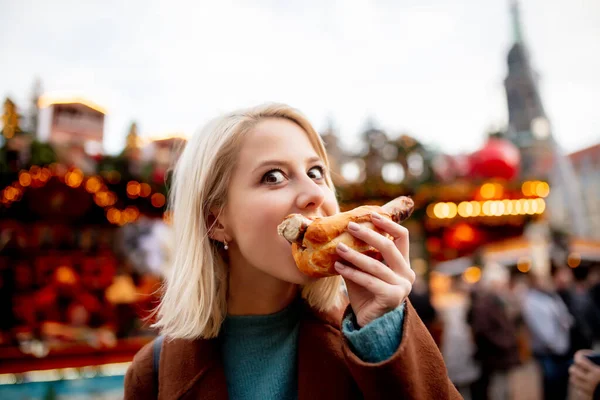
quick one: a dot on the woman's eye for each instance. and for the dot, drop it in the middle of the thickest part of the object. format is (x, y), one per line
(273, 177)
(316, 172)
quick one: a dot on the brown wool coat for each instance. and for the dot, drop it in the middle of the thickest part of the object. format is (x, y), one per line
(327, 367)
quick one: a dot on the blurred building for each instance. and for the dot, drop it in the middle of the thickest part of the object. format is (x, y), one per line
(166, 150)
(530, 129)
(74, 127)
(337, 156)
(163, 150)
(71, 121)
(586, 163)
(30, 124)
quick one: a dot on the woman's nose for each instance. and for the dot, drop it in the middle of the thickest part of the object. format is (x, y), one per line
(310, 194)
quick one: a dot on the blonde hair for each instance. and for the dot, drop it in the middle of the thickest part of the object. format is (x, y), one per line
(194, 302)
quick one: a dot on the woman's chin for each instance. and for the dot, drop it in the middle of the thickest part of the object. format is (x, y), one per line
(307, 279)
(298, 277)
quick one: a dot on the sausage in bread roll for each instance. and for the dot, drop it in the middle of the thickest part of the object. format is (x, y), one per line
(314, 240)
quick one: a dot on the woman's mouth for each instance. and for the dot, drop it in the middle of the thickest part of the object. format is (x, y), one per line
(294, 227)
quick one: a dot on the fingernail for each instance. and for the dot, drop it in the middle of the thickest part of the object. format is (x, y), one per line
(375, 215)
(342, 247)
(353, 226)
(339, 265)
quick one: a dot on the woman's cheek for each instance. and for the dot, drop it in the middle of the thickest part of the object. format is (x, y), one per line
(257, 231)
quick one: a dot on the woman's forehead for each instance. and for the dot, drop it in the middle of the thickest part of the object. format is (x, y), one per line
(277, 137)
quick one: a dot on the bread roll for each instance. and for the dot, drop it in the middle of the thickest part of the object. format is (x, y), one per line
(314, 240)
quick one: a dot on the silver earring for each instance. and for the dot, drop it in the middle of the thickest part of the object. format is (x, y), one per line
(226, 245)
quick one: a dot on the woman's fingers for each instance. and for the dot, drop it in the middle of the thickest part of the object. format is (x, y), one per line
(369, 282)
(391, 254)
(397, 231)
(368, 264)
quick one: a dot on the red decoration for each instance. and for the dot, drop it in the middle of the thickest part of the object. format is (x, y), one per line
(24, 278)
(24, 308)
(158, 175)
(98, 271)
(59, 201)
(462, 236)
(499, 158)
(44, 269)
(433, 245)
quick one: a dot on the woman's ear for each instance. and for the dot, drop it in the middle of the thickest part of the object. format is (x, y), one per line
(216, 228)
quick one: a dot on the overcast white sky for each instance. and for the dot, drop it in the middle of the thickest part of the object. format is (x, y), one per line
(433, 69)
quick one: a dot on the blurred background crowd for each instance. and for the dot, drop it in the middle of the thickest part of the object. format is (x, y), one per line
(505, 238)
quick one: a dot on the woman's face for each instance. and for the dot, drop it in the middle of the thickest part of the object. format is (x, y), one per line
(278, 173)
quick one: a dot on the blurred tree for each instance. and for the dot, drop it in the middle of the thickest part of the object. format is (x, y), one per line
(16, 146)
(132, 144)
(42, 153)
(10, 120)
(33, 114)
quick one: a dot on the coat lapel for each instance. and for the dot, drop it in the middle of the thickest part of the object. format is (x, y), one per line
(191, 369)
(322, 372)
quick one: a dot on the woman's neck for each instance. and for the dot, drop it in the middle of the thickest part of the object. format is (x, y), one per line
(253, 292)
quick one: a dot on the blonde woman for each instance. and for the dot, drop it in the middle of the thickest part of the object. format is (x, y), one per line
(239, 320)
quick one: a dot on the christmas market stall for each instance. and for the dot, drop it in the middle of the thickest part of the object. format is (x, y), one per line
(83, 241)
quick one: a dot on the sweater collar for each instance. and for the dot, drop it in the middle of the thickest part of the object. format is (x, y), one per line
(244, 325)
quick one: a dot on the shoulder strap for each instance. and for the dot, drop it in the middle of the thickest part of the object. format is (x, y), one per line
(156, 347)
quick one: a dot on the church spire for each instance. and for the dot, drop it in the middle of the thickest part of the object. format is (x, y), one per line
(516, 22)
(524, 102)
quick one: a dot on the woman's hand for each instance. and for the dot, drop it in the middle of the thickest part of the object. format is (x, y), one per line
(584, 375)
(374, 288)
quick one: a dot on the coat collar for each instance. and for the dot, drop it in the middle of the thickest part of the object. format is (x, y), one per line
(198, 362)
(194, 361)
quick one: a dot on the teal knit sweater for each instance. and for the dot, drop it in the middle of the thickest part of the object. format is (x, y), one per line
(260, 352)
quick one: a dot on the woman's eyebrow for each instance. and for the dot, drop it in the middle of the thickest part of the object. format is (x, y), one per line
(280, 163)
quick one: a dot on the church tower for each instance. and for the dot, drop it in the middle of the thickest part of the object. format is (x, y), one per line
(522, 94)
(528, 124)
(530, 130)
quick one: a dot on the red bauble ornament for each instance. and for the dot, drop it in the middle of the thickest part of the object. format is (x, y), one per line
(499, 158)
(462, 237)
(158, 175)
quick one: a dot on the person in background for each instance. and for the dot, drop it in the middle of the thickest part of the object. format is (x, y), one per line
(549, 323)
(458, 347)
(572, 287)
(518, 287)
(594, 283)
(421, 300)
(494, 333)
